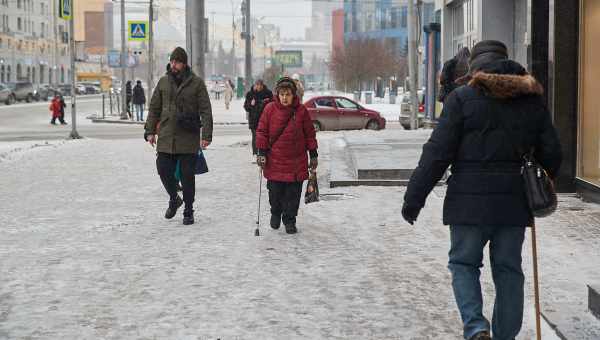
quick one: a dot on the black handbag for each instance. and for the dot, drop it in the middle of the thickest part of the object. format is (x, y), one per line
(539, 188)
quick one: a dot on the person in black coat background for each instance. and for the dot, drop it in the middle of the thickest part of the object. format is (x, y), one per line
(256, 99)
(485, 128)
(139, 100)
(128, 97)
(453, 70)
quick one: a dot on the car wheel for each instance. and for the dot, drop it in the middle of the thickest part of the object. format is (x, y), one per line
(317, 126)
(373, 125)
(29, 98)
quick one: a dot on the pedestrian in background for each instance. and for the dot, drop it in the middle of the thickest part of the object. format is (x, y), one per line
(128, 97)
(256, 99)
(485, 129)
(139, 100)
(284, 136)
(55, 109)
(62, 106)
(228, 95)
(453, 70)
(180, 103)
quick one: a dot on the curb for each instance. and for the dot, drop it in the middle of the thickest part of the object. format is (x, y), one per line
(126, 121)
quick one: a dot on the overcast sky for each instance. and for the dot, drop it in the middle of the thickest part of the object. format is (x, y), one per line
(293, 16)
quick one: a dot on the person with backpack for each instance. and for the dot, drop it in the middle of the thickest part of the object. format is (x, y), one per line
(285, 138)
(453, 73)
(486, 128)
(256, 99)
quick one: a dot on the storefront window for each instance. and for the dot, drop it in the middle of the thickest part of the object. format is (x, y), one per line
(589, 101)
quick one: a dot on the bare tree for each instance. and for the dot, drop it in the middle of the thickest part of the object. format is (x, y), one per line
(364, 60)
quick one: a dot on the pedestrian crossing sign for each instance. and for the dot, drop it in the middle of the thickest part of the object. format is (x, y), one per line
(138, 30)
(65, 9)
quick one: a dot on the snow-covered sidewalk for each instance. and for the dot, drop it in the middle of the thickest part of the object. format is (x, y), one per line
(85, 253)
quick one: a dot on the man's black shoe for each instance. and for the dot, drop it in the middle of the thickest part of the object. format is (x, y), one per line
(188, 217)
(485, 335)
(173, 206)
(275, 221)
(291, 228)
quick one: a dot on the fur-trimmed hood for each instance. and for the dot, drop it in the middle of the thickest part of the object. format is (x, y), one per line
(506, 86)
(504, 79)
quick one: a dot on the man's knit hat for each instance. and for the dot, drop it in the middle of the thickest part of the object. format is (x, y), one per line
(179, 54)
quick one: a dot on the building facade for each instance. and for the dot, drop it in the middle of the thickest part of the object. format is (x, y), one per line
(465, 22)
(385, 20)
(321, 23)
(33, 42)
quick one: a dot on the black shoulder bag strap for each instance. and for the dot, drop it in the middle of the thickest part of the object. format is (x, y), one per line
(280, 132)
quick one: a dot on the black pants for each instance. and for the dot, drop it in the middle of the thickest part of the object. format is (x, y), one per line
(254, 149)
(60, 119)
(284, 198)
(166, 164)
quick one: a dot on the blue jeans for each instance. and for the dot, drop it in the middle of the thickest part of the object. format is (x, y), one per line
(466, 255)
(139, 112)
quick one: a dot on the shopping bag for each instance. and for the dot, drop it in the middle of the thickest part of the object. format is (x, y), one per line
(201, 166)
(312, 189)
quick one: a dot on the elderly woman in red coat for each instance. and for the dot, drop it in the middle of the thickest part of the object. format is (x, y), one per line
(285, 137)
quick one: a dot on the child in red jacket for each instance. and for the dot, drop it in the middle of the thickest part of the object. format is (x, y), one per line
(284, 137)
(56, 107)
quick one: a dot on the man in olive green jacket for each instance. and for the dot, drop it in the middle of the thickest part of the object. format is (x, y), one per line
(180, 113)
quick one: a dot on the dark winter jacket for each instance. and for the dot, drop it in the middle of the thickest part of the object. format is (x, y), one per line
(483, 124)
(260, 100)
(128, 91)
(287, 159)
(139, 97)
(168, 101)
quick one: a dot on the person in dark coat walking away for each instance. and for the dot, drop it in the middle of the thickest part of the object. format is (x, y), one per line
(57, 110)
(139, 100)
(284, 136)
(62, 109)
(485, 128)
(180, 104)
(453, 72)
(128, 97)
(256, 99)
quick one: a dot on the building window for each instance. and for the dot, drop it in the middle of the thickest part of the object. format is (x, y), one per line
(464, 25)
(19, 4)
(404, 17)
(62, 75)
(2, 74)
(19, 24)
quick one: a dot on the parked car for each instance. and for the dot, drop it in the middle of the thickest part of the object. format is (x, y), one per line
(65, 89)
(23, 91)
(6, 95)
(47, 92)
(405, 110)
(92, 89)
(80, 89)
(339, 113)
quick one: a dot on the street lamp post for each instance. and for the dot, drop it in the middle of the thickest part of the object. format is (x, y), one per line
(74, 134)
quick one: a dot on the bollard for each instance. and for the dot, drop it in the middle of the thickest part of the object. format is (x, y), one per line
(103, 106)
(110, 103)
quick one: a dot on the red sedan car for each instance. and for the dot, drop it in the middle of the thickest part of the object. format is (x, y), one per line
(339, 113)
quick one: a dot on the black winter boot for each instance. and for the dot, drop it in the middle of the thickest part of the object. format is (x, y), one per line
(485, 335)
(291, 228)
(188, 217)
(275, 221)
(173, 206)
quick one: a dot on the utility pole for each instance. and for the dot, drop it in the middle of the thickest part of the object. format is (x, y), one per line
(412, 64)
(248, 36)
(123, 63)
(195, 37)
(151, 48)
(233, 59)
(74, 134)
(54, 81)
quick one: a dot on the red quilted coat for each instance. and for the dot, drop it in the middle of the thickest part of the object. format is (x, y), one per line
(55, 108)
(287, 159)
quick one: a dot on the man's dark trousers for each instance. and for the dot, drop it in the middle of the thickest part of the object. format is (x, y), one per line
(166, 164)
(284, 198)
(254, 150)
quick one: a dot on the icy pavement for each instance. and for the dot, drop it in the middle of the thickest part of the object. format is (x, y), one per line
(85, 253)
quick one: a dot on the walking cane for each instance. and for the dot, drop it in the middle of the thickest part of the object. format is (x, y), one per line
(257, 232)
(536, 288)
